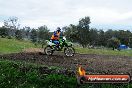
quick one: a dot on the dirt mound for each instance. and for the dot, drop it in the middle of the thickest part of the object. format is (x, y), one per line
(104, 64)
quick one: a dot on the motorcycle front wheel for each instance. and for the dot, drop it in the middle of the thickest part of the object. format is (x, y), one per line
(69, 51)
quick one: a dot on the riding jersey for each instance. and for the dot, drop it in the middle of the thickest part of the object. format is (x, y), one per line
(55, 36)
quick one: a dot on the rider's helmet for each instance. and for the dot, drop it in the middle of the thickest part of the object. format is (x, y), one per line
(58, 29)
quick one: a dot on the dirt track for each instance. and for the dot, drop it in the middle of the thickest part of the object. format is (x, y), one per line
(92, 63)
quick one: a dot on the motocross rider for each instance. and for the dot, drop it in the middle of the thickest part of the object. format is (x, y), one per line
(56, 36)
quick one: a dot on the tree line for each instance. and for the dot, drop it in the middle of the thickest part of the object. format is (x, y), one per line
(11, 29)
(80, 33)
(87, 36)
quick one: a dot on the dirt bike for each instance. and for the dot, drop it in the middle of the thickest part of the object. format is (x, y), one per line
(63, 45)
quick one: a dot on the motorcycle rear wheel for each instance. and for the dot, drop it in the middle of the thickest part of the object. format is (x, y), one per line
(48, 50)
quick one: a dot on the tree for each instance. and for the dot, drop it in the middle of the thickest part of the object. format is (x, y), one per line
(114, 43)
(43, 33)
(109, 34)
(102, 41)
(71, 32)
(12, 24)
(83, 31)
(124, 36)
(18, 34)
(27, 32)
(78, 33)
(3, 32)
(93, 36)
(33, 35)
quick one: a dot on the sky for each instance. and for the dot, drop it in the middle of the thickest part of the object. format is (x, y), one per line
(104, 14)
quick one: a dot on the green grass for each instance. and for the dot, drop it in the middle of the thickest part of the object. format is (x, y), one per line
(13, 45)
(103, 51)
(11, 76)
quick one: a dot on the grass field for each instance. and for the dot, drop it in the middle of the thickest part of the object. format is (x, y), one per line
(104, 51)
(13, 45)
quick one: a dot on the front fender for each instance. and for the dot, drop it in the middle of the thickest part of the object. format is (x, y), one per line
(50, 43)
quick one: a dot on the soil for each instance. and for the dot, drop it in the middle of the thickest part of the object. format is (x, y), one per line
(93, 63)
